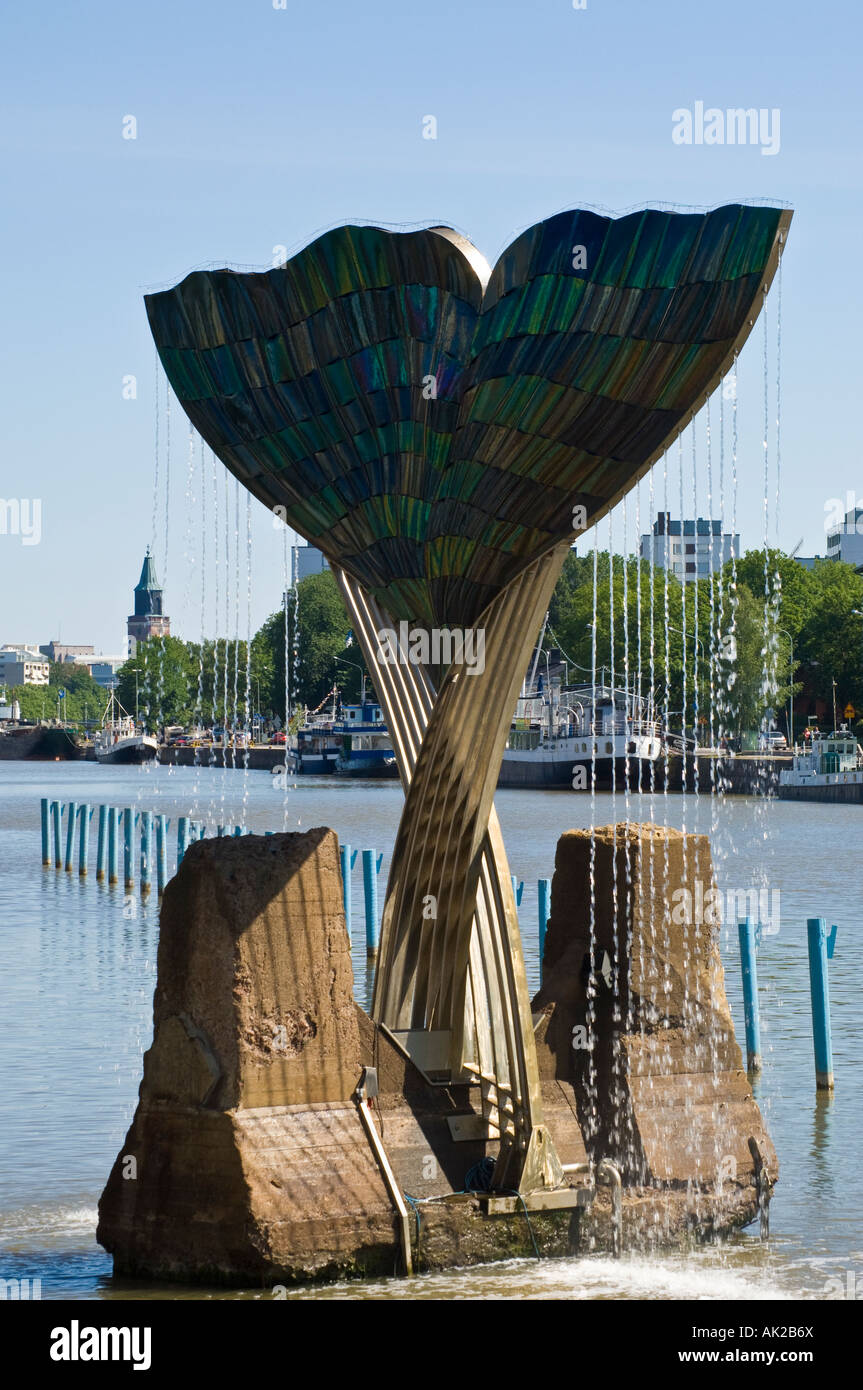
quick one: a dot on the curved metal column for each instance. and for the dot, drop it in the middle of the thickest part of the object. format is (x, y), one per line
(454, 975)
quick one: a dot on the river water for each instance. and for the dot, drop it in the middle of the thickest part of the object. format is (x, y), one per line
(77, 971)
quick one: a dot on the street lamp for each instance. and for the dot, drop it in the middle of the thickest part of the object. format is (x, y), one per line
(362, 672)
(786, 633)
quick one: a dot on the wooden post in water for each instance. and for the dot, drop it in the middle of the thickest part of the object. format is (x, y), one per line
(751, 1019)
(161, 853)
(56, 812)
(820, 949)
(128, 848)
(113, 844)
(146, 850)
(71, 813)
(102, 844)
(347, 864)
(370, 893)
(84, 814)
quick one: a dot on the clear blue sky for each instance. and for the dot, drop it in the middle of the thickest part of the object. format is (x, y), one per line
(259, 127)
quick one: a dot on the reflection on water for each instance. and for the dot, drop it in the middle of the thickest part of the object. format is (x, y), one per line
(77, 965)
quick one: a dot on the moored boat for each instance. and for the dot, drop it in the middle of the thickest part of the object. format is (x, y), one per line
(566, 737)
(829, 767)
(120, 739)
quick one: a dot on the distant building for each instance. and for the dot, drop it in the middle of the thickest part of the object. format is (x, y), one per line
(307, 559)
(845, 542)
(61, 651)
(23, 666)
(808, 561)
(104, 669)
(148, 620)
(692, 549)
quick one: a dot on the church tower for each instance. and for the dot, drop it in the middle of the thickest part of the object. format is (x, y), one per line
(148, 620)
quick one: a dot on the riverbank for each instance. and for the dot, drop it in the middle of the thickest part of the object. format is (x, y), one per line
(744, 774)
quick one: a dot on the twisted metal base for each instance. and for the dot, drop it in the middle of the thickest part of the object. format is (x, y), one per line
(451, 987)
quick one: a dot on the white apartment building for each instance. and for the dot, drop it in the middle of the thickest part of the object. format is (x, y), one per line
(23, 666)
(692, 549)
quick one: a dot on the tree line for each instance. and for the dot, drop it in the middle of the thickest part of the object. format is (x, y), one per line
(718, 646)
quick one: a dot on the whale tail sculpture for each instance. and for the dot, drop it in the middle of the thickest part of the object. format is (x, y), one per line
(435, 426)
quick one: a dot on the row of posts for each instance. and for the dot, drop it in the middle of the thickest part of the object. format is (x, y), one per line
(116, 826)
(371, 864)
(821, 944)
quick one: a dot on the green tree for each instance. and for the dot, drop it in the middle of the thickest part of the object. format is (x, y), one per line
(322, 628)
(166, 671)
(831, 638)
(84, 700)
(701, 643)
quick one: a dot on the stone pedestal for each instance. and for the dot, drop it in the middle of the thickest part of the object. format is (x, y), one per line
(246, 1159)
(634, 1011)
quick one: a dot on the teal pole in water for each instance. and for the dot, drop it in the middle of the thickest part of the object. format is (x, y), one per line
(370, 893)
(146, 849)
(517, 889)
(46, 838)
(84, 814)
(746, 931)
(128, 848)
(543, 892)
(56, 813)
(182, 838)
(102, 844)
(347, 865)
(161, 853)
(820, 948)
(71, 813)
(113, 843)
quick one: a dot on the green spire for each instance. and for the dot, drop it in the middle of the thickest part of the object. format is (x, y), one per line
(148, 580)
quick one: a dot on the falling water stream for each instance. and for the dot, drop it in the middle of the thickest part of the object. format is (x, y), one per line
(741, 1265)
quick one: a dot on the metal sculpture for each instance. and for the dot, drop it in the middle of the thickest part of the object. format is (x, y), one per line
(436, 428)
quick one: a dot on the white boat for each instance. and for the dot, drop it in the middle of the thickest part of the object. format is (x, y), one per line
(562, 737)
(829, 767)
(119, 740)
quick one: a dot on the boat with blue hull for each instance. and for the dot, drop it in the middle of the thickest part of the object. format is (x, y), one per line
(346, 741)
